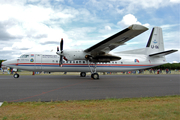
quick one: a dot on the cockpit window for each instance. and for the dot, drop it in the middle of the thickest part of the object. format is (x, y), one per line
(24, 56)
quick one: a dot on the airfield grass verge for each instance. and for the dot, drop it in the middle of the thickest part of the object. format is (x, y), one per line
(160, 108)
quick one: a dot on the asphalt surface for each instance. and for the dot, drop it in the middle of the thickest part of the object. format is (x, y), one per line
(71, 87)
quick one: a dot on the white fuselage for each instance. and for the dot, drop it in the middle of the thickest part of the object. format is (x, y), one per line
(50, 63)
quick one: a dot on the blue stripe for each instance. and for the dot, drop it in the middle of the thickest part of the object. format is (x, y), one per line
(84, 66)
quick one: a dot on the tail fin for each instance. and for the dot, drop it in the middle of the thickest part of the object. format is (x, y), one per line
(154, 47)
(155, 43)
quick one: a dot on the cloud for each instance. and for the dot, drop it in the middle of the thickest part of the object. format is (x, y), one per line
(50, 42)
(5, 34)
(175, 1)
(128, 20)
(107, 28)
(169, 26)
(12, 54)
(39, 25)
(127, 6)
(24, 44)
(16, 30)
(175, 62)
(173, 57)
(80, 33)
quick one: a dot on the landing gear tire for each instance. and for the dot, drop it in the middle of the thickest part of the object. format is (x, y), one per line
(83, 74)
(16, 75)
(95, 76)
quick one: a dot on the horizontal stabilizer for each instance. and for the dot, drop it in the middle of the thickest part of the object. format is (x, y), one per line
(162, 53)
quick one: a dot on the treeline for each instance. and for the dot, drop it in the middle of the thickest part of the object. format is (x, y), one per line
(172, 66)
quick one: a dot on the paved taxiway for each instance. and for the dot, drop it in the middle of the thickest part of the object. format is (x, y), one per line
(71, 87)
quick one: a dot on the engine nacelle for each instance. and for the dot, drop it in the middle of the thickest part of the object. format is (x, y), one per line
(74, 54)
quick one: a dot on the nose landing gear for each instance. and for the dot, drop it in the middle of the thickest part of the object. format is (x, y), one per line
(16, 75)
(83, 74)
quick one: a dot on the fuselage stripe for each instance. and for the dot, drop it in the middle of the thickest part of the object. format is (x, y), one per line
(79, 65)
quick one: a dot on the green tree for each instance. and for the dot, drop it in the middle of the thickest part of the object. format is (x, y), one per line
(172, 66)
(1, 62)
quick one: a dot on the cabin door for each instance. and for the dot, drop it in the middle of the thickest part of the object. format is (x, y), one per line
(38, 62)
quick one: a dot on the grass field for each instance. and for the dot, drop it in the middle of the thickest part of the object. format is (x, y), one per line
(155, 108)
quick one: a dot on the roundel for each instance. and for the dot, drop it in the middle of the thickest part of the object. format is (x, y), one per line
(31, 60)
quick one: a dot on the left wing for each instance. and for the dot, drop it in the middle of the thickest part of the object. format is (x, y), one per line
(116, 40)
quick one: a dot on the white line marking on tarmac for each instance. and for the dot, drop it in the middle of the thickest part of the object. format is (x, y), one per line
(1, 103)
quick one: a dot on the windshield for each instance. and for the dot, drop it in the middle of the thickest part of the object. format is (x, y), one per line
(24, 56)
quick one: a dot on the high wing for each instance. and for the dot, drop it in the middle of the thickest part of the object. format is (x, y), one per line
(102, 48)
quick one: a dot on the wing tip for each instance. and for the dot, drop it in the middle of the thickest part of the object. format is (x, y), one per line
(137, 27)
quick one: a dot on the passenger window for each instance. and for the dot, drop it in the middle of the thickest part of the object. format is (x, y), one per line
(83, 61)
(79, 61)
(76, 61)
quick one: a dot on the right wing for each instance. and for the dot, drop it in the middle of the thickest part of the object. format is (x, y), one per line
(116, 40)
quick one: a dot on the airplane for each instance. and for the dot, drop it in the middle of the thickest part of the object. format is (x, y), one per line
(97, 57)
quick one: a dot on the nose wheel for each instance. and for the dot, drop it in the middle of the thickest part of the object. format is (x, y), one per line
(83, 74)
(16, 75)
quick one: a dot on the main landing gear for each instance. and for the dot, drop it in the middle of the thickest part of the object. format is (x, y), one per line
(94, 74)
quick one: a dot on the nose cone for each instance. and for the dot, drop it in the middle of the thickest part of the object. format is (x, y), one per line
(9, 63)
(3, 63)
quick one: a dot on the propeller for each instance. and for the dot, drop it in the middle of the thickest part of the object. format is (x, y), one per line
(61, 52)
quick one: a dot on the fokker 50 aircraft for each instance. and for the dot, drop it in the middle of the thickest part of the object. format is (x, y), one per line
(97, 58)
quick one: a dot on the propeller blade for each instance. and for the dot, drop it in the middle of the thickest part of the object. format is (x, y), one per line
(61, 45)
(60, 60)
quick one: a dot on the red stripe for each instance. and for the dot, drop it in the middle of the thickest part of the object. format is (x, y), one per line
(80, 64)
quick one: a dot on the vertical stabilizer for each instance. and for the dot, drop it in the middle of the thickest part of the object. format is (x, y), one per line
(155, 43)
